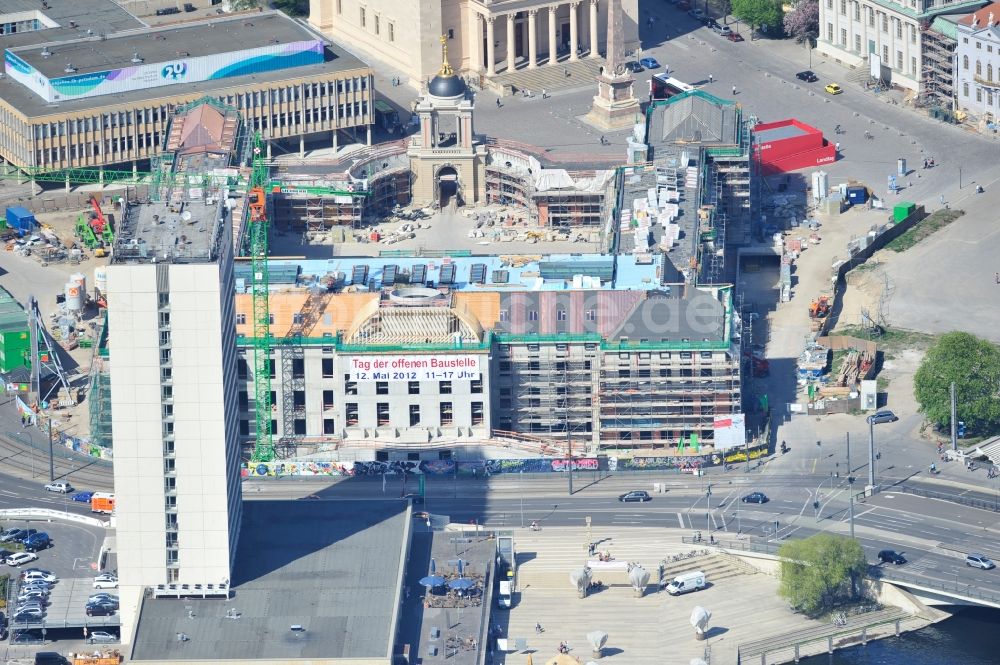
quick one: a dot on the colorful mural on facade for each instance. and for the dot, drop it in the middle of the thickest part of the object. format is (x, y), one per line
(486, 468)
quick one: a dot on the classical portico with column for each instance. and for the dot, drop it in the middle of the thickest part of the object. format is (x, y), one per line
(510, 35)
(490, 41)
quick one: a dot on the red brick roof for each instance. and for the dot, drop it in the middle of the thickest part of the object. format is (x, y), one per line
(983, 15)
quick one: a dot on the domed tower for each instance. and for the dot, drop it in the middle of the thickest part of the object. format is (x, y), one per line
(446, 160)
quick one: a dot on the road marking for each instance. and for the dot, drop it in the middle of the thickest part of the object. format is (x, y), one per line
(680, 518)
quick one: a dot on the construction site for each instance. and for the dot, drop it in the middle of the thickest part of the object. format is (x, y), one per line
(606, 322)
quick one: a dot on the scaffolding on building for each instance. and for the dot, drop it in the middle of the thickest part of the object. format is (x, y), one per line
(937, 57)
(309, 208)
(552, 396)
(99, 395)
(658, 404)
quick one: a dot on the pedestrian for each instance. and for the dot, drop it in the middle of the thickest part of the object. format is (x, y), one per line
(837, 146)
(734, 91)
(941, 199)
(998, 282)
(498, 102)
(909, 183)
(566, 72)
(710, 78)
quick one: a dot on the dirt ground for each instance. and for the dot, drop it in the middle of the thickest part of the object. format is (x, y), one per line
(26, 276)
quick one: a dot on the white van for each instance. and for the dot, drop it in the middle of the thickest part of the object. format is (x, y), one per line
(686, 582)
(505, 598)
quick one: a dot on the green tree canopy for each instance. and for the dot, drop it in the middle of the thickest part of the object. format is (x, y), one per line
(820, 571)
(974, 365)
(758, 12)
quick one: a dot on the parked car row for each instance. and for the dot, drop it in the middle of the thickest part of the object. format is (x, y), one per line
(33, 595)
(103, 603)
(32, 539)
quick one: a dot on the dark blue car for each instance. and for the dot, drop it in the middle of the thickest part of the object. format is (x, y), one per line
(37, 542)
(83, 497)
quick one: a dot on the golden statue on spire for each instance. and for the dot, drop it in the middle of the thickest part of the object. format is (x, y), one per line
(446, 69)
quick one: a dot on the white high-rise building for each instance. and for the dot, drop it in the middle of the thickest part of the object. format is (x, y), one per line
(174, 400)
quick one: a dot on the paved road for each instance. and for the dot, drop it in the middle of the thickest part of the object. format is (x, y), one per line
(934, 535)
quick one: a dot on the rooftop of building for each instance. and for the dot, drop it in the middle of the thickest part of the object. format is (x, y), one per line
(186, 228)
(946, 24)
(68, 20)
(31, 104)
(551, 272)
(985, 17)
(13, 317)
(674, 316)
(694, 117)
(341, 583)
(194, 39)
(668, 175)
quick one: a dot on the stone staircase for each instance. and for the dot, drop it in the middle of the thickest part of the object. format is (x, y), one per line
(715, 566)
(547, 77)
(859, 75)
(546, 558)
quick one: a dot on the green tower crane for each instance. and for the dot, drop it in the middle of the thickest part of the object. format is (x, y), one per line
(259, 280)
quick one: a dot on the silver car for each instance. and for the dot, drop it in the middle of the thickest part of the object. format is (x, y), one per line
(101, 637)
(979, 561)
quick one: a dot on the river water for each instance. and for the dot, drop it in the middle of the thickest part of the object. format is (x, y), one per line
(970, 637)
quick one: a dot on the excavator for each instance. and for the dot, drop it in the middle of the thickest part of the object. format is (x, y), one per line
(818, 309)
(94, 229)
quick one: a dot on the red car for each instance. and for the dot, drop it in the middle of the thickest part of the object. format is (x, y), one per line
(734, 37)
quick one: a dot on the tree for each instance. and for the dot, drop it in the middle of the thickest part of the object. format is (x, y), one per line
(292, 7)
(973, 365)
(821, 571)
(758, 12)
(803, 21)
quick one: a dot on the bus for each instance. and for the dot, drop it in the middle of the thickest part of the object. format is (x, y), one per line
(662, 86)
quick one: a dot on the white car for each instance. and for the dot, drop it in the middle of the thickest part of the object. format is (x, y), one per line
(62, 488)
(21, 558)
(34, 575)
(106, 581)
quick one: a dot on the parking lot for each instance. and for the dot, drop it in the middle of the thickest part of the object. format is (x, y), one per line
(74, 552)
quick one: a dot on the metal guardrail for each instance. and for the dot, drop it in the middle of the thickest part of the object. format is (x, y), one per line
(879, 573)
(982, 504)
(47, 514)
(738, 545)
(858, 625)
(950, 588)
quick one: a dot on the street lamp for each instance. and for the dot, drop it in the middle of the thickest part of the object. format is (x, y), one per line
(871, 453)
(708, 508)
(850, 483)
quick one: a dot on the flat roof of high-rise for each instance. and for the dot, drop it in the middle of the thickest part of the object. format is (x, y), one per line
(332, 567)
(180, 231)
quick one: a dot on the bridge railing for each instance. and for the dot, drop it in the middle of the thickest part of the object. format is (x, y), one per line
(955, 588)
(982, 504)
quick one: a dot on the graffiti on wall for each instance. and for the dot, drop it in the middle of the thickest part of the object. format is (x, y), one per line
(486, 468)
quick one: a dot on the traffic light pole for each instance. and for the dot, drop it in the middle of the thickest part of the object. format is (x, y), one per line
(850, 483)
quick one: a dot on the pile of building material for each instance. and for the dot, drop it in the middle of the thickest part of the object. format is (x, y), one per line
(856, 366)
(813, 361)
(786, 277)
